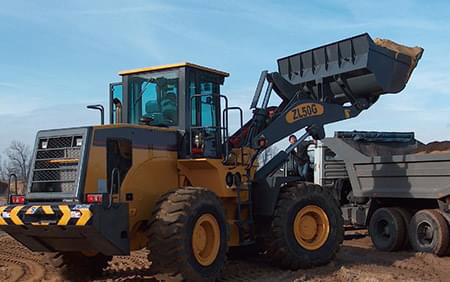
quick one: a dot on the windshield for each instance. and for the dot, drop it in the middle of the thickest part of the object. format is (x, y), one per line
(154, 96)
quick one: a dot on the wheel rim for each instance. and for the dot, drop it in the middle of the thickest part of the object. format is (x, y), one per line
(383, 229)
(206, 239)
(425, 233)
(311, 227)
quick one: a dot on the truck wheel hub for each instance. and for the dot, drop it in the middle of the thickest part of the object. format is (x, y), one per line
(425, 233)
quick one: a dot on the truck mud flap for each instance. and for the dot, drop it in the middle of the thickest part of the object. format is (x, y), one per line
(65, 228)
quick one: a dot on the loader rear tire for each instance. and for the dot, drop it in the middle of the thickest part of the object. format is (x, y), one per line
(188, 235)
(307, 228)
(75, 266)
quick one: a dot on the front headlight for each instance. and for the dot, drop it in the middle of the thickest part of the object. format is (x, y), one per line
(43, 144)
(79, 141)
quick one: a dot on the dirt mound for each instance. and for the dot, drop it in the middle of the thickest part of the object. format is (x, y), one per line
(434, 147)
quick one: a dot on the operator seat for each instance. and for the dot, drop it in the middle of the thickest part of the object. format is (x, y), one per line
(152, 110)
(169, 106)
(151, 107)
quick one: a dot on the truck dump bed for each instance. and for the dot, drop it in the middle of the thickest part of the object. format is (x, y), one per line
(358, 67)
(393, 165)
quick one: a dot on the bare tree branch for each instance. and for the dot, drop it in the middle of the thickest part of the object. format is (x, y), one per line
(18, 160)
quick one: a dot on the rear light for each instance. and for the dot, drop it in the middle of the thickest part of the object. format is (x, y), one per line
(94, 198)
(197, 144)
(197, 151)
(17, 199)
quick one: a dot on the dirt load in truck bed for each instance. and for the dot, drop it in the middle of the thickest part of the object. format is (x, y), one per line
(394, 143)
(356, 261)
(434, 147)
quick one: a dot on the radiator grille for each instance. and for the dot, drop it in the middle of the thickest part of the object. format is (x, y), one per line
(56, 164)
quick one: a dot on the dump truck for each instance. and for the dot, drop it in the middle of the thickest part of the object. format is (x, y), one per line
(391, 183)
(166, 173)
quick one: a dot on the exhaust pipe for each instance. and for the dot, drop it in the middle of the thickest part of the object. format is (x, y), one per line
(101, 109)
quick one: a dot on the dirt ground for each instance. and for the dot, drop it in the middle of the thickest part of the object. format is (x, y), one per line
(356, 261)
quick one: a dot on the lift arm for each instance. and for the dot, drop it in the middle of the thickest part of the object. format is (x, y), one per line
(327, 84)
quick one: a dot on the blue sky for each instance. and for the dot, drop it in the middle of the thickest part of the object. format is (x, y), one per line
(58, 56)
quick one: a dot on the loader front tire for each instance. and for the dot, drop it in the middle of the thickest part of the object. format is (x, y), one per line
(188, 235)
(307, 228)
(76, 266)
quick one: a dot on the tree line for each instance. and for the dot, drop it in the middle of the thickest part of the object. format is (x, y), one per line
(16, 159)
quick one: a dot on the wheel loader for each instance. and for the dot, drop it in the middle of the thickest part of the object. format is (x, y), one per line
(167, 175)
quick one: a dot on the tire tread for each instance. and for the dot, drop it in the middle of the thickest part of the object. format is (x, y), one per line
(166, 232)
(279, 249)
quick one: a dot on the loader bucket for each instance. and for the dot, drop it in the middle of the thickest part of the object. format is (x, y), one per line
(357, 67)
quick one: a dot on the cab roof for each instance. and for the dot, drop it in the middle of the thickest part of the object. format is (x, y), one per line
(171, 66)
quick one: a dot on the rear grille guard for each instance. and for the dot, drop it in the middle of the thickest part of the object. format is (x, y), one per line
(58, 164)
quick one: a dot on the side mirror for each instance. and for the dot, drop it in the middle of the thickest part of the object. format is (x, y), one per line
(101, 109)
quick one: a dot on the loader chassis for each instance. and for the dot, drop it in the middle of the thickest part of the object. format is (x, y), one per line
(166, 174)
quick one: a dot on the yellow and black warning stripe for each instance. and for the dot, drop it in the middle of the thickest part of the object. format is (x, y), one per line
(78, 215)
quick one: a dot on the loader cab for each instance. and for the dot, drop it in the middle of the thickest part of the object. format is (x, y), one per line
(182, 96)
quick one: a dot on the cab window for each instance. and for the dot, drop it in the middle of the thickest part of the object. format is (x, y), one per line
(204, 109)
(154, 97)
(208, 105)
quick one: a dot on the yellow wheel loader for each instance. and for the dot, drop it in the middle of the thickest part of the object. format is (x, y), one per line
(166, 174)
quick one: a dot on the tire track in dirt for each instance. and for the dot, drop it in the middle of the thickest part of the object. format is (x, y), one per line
(405, 265)
(22, 264)
(124, 268)
(357, 260)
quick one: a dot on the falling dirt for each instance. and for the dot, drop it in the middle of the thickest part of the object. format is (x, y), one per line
(356, 261)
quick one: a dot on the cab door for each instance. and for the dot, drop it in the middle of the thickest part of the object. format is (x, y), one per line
(205, 114)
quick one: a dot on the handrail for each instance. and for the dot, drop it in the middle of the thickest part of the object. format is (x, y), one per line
(111, 190)
(241, 115)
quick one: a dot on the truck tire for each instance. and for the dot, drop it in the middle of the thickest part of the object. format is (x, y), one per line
(307, 227)
(188, 235)
(406, 216)
(75, 266)
(387, 229)
(428, 232)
